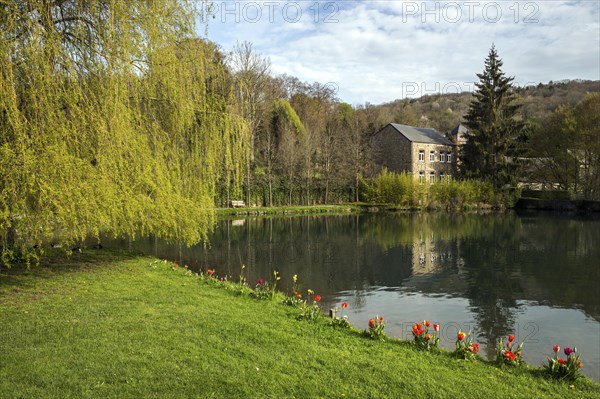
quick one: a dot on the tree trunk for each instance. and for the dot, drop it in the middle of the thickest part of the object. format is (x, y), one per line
(248, 184)
(270, 191)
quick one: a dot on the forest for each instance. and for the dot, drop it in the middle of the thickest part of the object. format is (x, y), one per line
(119, 118)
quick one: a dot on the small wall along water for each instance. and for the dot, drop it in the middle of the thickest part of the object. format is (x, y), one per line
(535, 276)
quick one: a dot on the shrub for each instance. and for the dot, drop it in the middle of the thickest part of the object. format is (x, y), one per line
(405, 190)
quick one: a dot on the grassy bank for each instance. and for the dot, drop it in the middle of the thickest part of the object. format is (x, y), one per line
(298, 210)
(106, 325)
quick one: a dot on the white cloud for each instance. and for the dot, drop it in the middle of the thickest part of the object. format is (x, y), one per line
(378, 51)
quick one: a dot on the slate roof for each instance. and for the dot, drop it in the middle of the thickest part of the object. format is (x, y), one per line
(459, 130)
(421, 134)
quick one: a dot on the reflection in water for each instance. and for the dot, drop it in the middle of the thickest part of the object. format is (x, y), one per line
(535, 275)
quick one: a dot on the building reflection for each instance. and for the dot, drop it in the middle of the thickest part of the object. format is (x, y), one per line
(493, 260)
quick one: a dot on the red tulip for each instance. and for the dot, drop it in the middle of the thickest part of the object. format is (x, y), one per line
(417, 330)
(427, 337)
(344, 305)
(556, 348)
(426, 322)
(381, 319)
(511, 338)
(436, 327)
(372, 323)
(475, 348)
(568, 351)
(317, 298)
(509, 355)
(562, 361)
(461, 335)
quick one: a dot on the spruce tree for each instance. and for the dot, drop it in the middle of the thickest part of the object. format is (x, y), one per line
(494, 127)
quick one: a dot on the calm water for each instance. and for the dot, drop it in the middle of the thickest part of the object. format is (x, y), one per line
(536, 276)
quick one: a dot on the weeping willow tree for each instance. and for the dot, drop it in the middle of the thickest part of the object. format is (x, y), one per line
(289, 134)
(113, 119)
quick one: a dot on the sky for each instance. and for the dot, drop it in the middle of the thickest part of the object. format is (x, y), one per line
(377, 51)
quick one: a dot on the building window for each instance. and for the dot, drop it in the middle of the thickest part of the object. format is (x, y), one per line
(442, 157)
(422, 155)
(449, 157)
(449, 177)
(441, 176)
(432, 156)
(432, 177)
(421, 177)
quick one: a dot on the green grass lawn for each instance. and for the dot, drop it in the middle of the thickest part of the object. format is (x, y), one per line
(111, 325)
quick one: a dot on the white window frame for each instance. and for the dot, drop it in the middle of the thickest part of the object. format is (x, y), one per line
(442, 156)
(431, 156)
(421, 177)
(431, 177)
(442, 175)
(421, 155)
(449, 157)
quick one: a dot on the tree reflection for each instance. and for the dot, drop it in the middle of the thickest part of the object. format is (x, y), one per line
(494, 260)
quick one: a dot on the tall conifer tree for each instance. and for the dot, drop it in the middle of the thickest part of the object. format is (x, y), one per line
(494, 127)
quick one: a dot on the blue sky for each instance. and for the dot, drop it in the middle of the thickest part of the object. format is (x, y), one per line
(377, 51)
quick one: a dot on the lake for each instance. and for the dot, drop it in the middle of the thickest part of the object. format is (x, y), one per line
(536, 275)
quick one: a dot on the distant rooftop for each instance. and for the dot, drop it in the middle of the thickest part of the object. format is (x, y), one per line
(458, 133)
(421, 134)
(460, 129)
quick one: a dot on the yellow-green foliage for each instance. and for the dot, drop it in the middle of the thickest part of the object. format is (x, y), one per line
(405, 190)
(462, 192)
(113, 118)
(395, 188)
(283, 113)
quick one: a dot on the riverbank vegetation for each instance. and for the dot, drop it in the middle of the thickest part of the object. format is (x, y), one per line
(297, 210)
(402, 189)
(116, 325)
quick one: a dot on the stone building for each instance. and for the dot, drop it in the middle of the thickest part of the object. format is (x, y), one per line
(423, 152)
